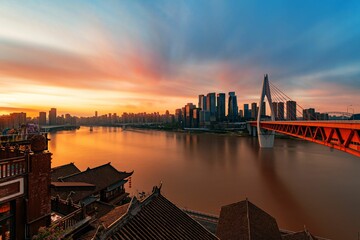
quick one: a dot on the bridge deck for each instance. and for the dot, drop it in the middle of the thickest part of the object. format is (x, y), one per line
(342, 135)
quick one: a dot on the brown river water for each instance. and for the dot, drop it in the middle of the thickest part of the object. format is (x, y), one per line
(297, 182)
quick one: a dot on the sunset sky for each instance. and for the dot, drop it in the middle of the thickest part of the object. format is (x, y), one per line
(136, 56)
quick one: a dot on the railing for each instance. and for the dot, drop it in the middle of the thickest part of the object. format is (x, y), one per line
(69, 221)
(12, 167)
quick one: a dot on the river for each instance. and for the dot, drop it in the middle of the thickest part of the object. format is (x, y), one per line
(297, 182)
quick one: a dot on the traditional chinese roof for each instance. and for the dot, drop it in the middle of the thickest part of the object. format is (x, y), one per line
(102, 176)
(62, 171)
(77, 185)
(243, 220)
(153, 218)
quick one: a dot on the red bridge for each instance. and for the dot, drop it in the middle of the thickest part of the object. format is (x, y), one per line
(342, 135)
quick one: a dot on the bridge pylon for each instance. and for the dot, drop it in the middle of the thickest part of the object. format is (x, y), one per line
(265, 137)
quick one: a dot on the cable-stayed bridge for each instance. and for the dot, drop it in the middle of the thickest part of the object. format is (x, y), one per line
(343, 135)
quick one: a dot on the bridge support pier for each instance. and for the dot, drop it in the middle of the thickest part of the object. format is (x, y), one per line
(266, 140)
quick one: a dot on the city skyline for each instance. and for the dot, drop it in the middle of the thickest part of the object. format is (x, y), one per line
(135, 56)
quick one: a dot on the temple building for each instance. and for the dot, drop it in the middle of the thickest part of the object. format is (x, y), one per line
(103, 183)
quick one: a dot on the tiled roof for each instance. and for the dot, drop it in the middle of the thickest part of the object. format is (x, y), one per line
(243, 220)
(102, 176)
(154, 218)
(62, 171)
(113, 215)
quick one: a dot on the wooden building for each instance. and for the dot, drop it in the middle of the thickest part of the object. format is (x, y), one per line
(24, 188)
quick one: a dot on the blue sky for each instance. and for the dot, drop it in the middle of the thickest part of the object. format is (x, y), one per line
(157, 55)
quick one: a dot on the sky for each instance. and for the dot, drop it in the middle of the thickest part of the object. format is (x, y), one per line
(146, 56)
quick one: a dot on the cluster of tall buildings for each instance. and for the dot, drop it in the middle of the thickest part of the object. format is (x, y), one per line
(211, 109)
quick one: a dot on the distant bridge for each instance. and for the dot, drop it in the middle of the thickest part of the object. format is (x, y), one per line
(59, 127)
(343, 135)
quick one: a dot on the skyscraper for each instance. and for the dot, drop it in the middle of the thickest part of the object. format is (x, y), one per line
(211, 106)
(232, 107)
(52, 116)
(275, 109)
(247, 113)
(202, 102)
(290, 110)
(263, 109)
(281, 111)
(254, 111)
(189, 114)
(220, 107)
(309, 114)
(42, 118)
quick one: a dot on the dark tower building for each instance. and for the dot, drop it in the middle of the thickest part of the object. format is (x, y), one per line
(42, 118)
(281, 111)
(52, 116)
(202, 102)
(290, 110)
(254, 111)
(221, 107)
(232, 107)
(211, 106)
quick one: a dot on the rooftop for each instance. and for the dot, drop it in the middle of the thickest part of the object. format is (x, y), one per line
(62, 171)
(153, 218)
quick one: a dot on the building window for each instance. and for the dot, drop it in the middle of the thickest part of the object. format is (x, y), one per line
(7, 230)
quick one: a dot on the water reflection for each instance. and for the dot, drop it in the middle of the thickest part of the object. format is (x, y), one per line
(297, 182)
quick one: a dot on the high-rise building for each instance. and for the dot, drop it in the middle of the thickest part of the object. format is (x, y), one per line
(202, 102)
(247, 112)
(196, 118)
(263, 109)
(178, 115)
(96, 114)
(42, 118)
(211, 105)
(220, 107)
(189, 114)
(254, 111)
(309, 114)
(275, 109)
(52, 116)
(280, 111)
(290, 110)
(232, 107)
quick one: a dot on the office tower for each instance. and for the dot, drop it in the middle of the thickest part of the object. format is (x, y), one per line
(280, 111)
(178, 115)
(275, 109)
(52, 116)
(309, 114)
(241, 113)
(42, 118)
(202, 102)
(247, 112)
(96, 114)
(196, 118)
(290, 110)
(183, 114)
(232, 107)
(263, 109)
(189, 114)
(211, 106)
(220, 107)
(254, 111)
